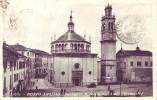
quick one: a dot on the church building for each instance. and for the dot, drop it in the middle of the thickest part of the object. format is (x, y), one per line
(72, 63)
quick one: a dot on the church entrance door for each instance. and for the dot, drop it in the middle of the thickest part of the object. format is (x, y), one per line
(77, 77)
(77, 82)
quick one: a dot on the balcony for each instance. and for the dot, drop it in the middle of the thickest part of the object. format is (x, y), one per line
(108, 16)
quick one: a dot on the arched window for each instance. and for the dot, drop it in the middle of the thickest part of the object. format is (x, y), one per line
(71, 46)
(56, 47)
(109, 25)
(62, 47)
(52, 47)
(112, 26)
(109, 12)
(59, 46)
(79, 46)
(82, 47)
(65, 46)
(75, 47)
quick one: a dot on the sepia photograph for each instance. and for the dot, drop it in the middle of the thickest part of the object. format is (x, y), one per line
(67, 48)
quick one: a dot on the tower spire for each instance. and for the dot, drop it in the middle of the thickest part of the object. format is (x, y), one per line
(71, 15)
(71, 24)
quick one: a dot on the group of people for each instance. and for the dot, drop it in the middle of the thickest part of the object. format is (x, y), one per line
(62, 92)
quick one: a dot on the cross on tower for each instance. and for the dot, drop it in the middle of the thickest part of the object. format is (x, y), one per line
(71, 15)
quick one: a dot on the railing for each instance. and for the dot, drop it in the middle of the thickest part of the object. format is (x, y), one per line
(70, 51)
(108, 16)
(109, 30)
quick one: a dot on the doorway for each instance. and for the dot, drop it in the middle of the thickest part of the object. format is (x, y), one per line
(77, 82)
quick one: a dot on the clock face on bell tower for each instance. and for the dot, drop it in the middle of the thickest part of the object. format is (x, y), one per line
(108, 45)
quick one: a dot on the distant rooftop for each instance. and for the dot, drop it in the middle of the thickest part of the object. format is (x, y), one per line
(19, 47)
(36, 51)
(136, 52)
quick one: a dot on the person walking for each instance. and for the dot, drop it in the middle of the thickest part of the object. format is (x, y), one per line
(61, 92)
(64, 91)
(36, 88)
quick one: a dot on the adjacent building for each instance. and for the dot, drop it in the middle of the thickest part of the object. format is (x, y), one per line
(15, 71)
(134, 65)
(30, 55)
(41, 62)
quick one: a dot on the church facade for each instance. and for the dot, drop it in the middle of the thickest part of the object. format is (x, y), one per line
(72, 63)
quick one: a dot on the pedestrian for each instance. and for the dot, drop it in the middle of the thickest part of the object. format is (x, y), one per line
(111, 92)
(129, 81)
(64, 91)
(36, 88)
(109, 88)
(61, 92)
(138, 94)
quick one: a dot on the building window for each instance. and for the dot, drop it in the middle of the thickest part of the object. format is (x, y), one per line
(77, 65)
(20, 65)
(151, 63)
(138, 63)
(112, 26)
(89, 72)
(4, 66)
(109, 25)
(17, 76)
(131, 63)
(17, 65)
(110, 67)
(11, 65)
(146, 63)
(63, 73)
(14, 77)
(124, 65)
(23, 64)
(27, 53)
(14, 65)
(22, 53)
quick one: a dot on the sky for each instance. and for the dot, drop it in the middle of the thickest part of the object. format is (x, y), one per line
(38, 21)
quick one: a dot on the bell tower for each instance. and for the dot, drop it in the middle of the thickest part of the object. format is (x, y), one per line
(108, 46)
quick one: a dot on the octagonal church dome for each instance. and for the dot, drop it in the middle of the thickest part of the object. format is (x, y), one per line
(70, 42)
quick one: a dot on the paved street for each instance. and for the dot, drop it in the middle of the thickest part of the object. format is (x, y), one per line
(44, 88)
